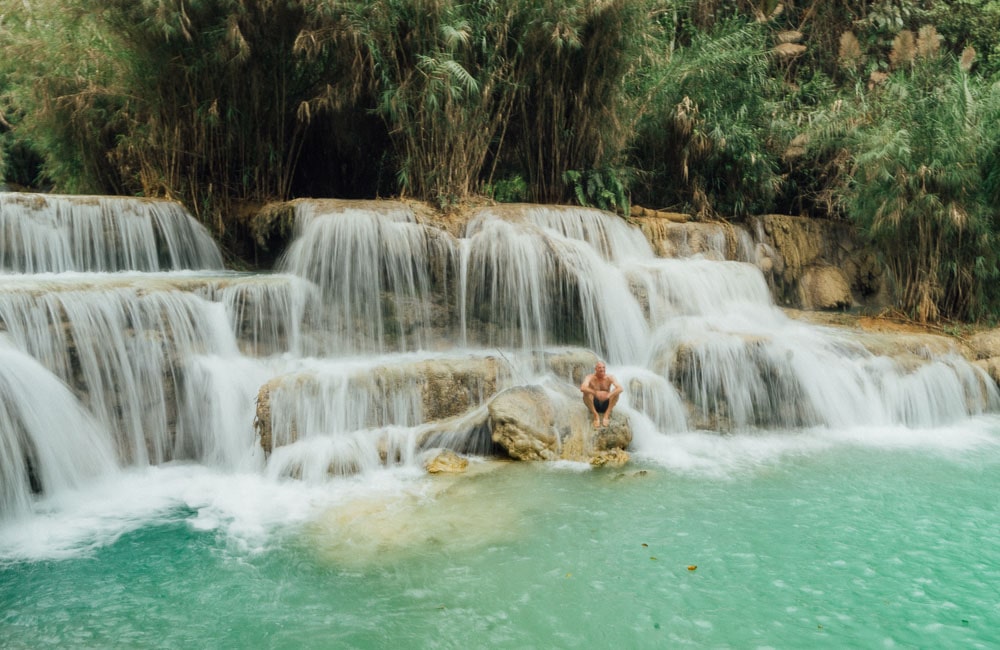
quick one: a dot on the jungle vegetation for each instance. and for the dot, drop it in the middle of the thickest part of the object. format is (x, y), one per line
(881, 112)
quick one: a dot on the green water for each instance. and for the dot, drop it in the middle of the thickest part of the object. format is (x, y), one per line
(807, 546)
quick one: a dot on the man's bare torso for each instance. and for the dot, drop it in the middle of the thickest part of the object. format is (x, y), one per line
(603, 383)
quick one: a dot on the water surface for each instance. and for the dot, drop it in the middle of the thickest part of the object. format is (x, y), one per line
(863, 538)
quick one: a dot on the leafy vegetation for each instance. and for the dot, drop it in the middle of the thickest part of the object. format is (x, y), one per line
(883, 112)
(916, 187)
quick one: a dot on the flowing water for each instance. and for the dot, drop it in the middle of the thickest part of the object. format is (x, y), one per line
(790, 485)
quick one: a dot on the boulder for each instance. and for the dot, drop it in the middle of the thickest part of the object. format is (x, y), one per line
(985, 345)
(535, 423)
(440, 388)
(446, 462)
(523, 422)
(824, 287)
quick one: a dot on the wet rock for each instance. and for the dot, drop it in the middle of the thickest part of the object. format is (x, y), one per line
(671, 239)
(523, 422)
(446, 462)
(991, 366)
(616, 436)
(453, 386)
(533, 423)
(610, 458)
(571, 365)
(435, 389)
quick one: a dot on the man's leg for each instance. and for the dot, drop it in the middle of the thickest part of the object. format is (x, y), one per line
(589, 401)
(611, 406)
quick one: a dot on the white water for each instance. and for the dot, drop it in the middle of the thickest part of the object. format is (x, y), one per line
(159, 372)
(52, 233)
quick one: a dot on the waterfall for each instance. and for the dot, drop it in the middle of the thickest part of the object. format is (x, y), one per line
(51, 233)
(355, 256)
(48, 441)
(383, 336)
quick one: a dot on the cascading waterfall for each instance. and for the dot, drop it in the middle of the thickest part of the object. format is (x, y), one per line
(52, 233)
(379, 323)
(356, 255)
(48, 441)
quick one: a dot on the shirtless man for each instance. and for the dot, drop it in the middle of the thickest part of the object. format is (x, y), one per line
(600, 393)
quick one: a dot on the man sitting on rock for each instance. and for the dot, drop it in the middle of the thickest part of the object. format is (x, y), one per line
(600, 393)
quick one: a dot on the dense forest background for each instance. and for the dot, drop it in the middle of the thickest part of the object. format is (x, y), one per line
(882, 112)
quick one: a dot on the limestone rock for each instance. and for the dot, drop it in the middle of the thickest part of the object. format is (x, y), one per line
(572, 365)
(790, 248)
(440, 388)
(616, 436)
(532, 423)
(985, 345)
(824, 287)
(671, 239)
(610, 458)
(446, 462)
(991, 366)
(523, 423)
(453, 386)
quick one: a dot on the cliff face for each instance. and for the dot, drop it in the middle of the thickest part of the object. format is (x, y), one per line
(811, 264)
(818, 264)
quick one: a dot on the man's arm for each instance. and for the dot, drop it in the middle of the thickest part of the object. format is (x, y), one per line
(616, 387)
(585, 386)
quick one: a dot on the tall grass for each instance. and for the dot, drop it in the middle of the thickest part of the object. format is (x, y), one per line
(917, 185)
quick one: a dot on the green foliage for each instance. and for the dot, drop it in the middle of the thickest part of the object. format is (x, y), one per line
(576, 72)
(433, 72)
(60, 122)
(708, 144)
(975, 23)
(600, 188)
(212, 98)
(513, 189)
(917, 192)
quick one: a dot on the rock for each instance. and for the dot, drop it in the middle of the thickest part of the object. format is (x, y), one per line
(791, 248)
(523, 422)
(671, 239)
(985, 345)
(610, 458)
(824, 287)
(616, 436)
(571, 365)
(532, 423)
(446, 462)
(441, 389)
(453, 386)
(991, 366)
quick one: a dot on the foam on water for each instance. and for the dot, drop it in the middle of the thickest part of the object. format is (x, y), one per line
(728, 457)
(250, 512)
(395, 509)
